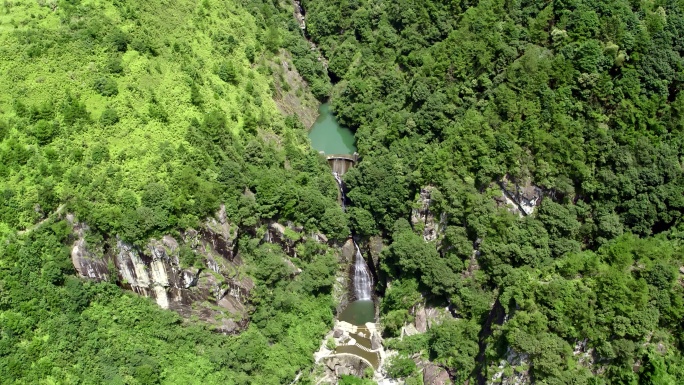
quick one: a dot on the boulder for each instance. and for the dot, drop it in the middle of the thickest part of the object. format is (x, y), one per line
(332, 363)
(435, 375)
(376, 341)
(348, 252)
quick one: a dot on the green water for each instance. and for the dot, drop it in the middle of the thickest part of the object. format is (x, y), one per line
(358, 313)
(328, 136)
(372, 357)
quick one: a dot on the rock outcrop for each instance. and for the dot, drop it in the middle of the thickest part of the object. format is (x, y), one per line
(196, 275)
(521, 196)
(434, 375)
(422, 217)
(342, 291)
(513, 370)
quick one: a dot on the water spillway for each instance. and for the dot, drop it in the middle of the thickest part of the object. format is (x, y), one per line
(340, 184)
(341, 163)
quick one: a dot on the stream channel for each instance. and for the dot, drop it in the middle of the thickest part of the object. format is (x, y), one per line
(329, 137)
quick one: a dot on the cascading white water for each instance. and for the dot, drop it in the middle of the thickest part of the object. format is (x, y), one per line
(362, 277)
(341, 186)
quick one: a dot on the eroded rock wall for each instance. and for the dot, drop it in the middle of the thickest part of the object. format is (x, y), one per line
(520, 196)
(423, 217)
(198, 274)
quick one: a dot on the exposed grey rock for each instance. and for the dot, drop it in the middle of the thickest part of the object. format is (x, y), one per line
(435, 375)
(376, 341)
(409, 330)
(320, 238)
(421, 320)
(423, 217)
(375, 246)
(337, 333)
(520, 375)
(215, 292)
(332, 363)
(348, 251)
(342, 371)
(344, 365)
(521, 196)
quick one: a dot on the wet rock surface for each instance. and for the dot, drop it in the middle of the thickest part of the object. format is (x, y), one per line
(342, 292)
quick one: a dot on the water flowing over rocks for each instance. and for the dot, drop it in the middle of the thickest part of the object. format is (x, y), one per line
(361, 277)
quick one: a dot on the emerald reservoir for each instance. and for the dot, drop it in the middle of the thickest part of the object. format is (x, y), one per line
(328, 136)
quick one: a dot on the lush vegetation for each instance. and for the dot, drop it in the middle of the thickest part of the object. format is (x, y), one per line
(92, 103)
(56, 328)
(580, 97)
(141, 118)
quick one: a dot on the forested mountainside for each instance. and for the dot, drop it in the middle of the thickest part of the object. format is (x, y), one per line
(137, 120)
(579, 98)
(520, 166)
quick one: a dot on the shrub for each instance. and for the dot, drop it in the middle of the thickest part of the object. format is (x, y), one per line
(401, 367)
(227, 72)
(157, 112)
(106, 86)
(109, 117)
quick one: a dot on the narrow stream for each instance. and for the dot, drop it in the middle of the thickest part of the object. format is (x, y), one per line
(329, 137)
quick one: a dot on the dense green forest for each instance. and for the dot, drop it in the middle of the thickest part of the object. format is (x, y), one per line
(582, 98)
(142, 117)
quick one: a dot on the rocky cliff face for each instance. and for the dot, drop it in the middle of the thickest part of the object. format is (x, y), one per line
(196, 275)
(520, 196)
(422, 217)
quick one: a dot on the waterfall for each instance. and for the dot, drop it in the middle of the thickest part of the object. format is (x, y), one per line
(362, 277)
(341, 185)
